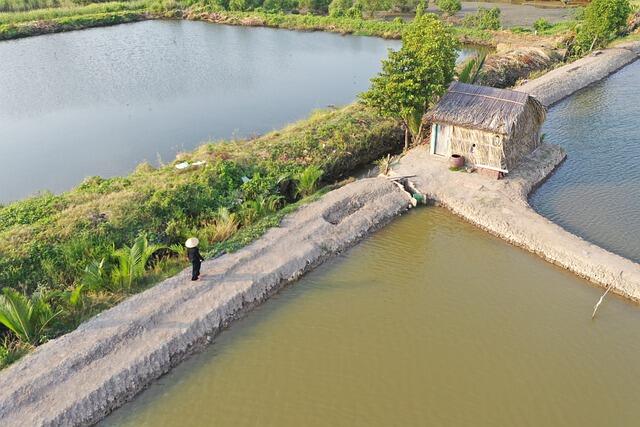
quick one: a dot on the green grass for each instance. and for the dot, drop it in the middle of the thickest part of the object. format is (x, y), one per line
(46, 242)
(559, 28)
(48, 239)
(73, 11)
(343, 25)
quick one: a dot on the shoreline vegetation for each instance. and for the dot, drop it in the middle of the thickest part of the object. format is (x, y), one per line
(35, 22)
(65, 258)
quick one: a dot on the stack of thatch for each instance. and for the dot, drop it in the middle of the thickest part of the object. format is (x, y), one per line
(504, 69)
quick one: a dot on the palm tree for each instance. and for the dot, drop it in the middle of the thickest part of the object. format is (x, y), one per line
(131, 263)
(471, 69)
(307, 180)
(26, 317)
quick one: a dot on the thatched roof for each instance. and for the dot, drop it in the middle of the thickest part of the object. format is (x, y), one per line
(484, 108)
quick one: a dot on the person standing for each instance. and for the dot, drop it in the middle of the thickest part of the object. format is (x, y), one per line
(194, 256)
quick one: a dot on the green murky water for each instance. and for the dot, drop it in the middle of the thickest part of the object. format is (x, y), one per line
(428, 322)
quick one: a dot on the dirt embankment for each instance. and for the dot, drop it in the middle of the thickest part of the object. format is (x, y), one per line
(566, 80)
(501, 207)
(80, 377)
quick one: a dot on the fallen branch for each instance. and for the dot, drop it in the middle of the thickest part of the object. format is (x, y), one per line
(595, 307)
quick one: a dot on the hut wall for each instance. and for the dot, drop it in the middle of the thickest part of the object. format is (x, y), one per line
(524, 138)
(478, 147)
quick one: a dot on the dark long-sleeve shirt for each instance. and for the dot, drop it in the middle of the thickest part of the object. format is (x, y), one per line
(194, 255)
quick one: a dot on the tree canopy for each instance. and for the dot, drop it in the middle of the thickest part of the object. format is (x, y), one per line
(603, 21)
(413, 77)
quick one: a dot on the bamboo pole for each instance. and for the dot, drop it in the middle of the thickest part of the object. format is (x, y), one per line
(595, 307)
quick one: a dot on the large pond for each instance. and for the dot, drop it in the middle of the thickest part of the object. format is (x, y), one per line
(98, 102)
(596, 192)
(428, 322)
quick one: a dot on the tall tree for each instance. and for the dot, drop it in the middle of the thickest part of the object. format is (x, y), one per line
(415, 76)
(603, 21)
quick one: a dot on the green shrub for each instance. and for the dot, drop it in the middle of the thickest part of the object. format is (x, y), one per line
(315, 6)
(307, 180)
(603, 21)
(355, 11)
(520, 30)
(31, 210)
(449, 7)
(131, 263)
(484, 19)
(542, 25)
(239, 5)
(24, 5)
(471, 69)
(10, 351)
(340, 7)
(279, 5)
(404, 6)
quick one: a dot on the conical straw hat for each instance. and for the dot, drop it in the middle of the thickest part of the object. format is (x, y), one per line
(192, 242)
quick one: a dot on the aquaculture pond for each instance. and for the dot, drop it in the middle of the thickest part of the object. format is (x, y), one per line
(100, 101)
(596, 192)
(428, 322)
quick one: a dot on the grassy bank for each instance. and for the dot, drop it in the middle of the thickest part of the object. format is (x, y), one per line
(43, 21)
(342, 25)
(82, 242)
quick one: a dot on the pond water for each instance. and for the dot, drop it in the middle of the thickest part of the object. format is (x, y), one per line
(596, 192)
(100, 101)
(428, 322)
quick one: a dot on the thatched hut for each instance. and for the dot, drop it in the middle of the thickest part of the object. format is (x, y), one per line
(493, 129)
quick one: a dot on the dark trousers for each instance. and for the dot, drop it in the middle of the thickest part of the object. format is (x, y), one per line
(195, 272)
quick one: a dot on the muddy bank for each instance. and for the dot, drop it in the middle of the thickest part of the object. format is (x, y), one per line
(80, 377)
(564, 81)
(502, 209)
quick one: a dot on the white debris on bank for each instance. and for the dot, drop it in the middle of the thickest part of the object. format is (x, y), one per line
(187, 165)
